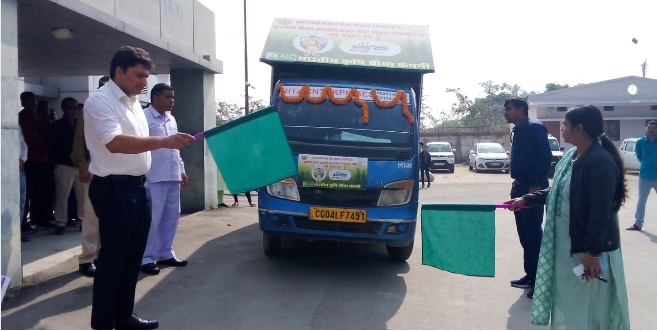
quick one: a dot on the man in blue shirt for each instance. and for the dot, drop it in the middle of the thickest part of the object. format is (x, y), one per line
(530, 162)
(646, 152)
(165, 179)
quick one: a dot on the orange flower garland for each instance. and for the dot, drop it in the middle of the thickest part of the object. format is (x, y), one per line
(401, 95)
(327, 92)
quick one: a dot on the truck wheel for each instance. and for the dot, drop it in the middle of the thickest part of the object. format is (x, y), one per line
(451, 169)
(271, 246)
(400, 253)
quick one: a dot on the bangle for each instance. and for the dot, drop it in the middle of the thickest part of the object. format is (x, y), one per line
(593, 257)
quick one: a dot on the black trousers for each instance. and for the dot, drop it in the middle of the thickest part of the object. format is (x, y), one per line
(40, 190)
(124, 220)
(425, 171)
(530, 232)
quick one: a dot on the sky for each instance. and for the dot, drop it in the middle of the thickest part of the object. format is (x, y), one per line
(529, 43)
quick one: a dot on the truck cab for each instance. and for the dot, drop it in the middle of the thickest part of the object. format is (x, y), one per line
(350, 123)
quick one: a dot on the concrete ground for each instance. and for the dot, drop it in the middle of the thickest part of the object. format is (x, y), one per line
(230, 284)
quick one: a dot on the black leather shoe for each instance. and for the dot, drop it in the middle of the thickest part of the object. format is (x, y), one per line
(27, 229)
(173, 262)
(524, 282)
(88, 269)
(150, 268)
(136, 323)
(60, 230)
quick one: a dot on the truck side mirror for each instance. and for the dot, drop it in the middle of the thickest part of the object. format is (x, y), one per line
(453, 150)
(473, 152)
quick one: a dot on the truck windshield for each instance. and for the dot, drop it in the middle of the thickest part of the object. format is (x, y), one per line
(341, 127)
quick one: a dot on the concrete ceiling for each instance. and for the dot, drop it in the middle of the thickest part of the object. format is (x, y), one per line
(88, 53)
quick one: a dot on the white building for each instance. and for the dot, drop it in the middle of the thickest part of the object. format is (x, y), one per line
(58, 49)
(626, 103)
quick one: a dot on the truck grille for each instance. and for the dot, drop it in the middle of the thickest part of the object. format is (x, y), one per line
(337, 197)
(307, 224)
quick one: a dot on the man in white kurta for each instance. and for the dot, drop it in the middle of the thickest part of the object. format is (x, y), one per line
(165, 178)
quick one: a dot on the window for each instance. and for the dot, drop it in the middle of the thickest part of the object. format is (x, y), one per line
(630, 146)
(562, 108)
(653, 107)
(612, 129)
(608, 108)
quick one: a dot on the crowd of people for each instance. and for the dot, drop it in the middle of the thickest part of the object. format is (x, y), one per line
(122, 165)
(117, 178)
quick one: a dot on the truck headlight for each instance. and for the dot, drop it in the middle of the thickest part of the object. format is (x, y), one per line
(284, 189)
(396, 193)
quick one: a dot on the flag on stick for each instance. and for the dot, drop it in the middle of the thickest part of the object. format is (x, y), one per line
(459, 238)
(251, 151)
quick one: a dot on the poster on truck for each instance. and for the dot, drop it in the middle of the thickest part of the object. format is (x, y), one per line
(328, 171)
(393, 46)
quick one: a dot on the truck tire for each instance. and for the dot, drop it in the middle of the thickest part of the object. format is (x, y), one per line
(400, 254)
(451, 169)
(271, 246)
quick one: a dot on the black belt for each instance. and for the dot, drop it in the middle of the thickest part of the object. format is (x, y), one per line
(124, 178)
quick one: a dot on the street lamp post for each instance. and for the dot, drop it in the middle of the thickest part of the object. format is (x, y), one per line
(246, 69)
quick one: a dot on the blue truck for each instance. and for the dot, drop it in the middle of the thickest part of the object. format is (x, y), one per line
(350, 115)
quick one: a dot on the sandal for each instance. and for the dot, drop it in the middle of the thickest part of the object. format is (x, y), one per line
(252, 204)
(235, 204)
(633, 228)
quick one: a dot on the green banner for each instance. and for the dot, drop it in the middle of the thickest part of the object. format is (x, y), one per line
(393, 46)
(332, 171)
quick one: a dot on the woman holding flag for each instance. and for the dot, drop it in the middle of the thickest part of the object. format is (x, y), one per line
(582, 228)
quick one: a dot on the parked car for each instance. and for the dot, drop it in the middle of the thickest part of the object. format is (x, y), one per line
(628, 152)
(489, 157)
(557, 153)
(442, 156)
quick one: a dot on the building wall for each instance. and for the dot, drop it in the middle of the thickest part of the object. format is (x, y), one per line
(11, 235)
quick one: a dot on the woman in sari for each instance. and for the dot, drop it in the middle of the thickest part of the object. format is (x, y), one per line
(581, 227)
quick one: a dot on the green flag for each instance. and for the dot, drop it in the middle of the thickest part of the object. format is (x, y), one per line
(459, 238)
(251, 151)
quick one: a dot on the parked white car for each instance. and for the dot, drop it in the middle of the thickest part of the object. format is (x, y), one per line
(442, 156)
(628, 152)
(489, 157)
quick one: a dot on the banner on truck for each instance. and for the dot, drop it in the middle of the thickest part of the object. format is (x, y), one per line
(332, 171)
(394, 46)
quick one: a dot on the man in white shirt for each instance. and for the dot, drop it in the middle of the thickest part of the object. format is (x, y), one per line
(166, 177)
(116, 132)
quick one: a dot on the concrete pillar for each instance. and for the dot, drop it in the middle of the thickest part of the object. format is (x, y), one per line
(195, 112)
(11, 233)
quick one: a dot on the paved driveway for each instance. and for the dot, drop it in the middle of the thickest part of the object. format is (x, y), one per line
(230, 284)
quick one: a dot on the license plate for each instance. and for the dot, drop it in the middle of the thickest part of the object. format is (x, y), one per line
(495, 164)
(337, 215)
(439, 162)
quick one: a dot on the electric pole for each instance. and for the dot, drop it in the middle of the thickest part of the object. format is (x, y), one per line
(246, 69)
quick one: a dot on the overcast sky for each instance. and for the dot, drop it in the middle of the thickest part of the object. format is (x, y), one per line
(517, 42)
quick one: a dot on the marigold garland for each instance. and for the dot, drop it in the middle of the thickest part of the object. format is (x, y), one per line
(327, 92)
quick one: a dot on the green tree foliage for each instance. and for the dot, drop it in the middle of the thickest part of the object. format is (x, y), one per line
(554, 86)
(228, 111)
(484, 114)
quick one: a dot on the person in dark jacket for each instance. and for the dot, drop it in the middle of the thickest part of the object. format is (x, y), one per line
(60, 145)
(530, 163)
(425, 163)
(582, 227)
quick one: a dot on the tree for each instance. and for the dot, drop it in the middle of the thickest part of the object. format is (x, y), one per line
(228, 111)
(554, 86)
(487, 113)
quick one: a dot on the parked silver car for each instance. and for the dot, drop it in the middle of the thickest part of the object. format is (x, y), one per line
(489, 157)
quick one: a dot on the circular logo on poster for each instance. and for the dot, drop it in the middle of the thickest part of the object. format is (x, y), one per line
(319, 173)
(312, 44)
(284, 21)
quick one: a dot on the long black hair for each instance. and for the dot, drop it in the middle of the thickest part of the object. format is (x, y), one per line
(590, 118)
